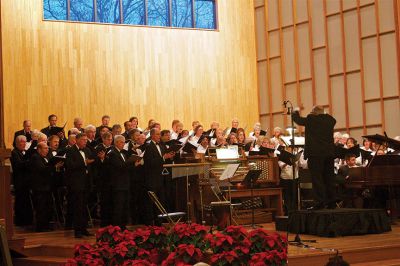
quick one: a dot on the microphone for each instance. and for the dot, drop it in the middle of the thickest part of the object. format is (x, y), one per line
(285, 103)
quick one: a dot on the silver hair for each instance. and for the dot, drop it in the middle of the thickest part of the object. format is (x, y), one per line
(19, 138)
(90, 127)
(119, 137)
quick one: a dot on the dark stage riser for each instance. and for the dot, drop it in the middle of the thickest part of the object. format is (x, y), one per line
(337, 222)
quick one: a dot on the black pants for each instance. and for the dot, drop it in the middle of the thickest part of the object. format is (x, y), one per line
(105, 207)
(79, 210)
(323, 179)
(289, 199)
(43, 209)
(23, 207)
(120, 207)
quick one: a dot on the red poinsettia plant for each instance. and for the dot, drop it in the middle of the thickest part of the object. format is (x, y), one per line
(184, 244)
(193, 234)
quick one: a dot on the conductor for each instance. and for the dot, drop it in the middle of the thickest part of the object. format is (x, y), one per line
(319, 150)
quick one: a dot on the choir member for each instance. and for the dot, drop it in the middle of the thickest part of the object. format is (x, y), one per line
(234, 127)
(278, 137)
(116, 130)
(103, 180)
(213, 127)
(90, 132)
(41, 174)
(154, 158)
(194, 125)
(105, 121)
(78, 124)
(197, 133)
(135, 123)
(52, 123)
(203, 141)
(232, 139)
(78, 182)
(120, 165)
(25, 131)
(21, 181)
(176, 129)
(127, 128)
(241, 136)
(341, 177)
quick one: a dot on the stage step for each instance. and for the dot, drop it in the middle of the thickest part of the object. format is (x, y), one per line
(40, 261)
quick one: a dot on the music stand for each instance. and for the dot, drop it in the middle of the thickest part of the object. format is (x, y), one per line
(185, 170)
(249, 181)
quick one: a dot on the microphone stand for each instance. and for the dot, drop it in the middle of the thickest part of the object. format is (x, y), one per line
(295, 185)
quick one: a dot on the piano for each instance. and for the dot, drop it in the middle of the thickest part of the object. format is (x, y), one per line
(384, 170)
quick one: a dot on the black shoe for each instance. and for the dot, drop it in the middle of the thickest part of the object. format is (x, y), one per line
(86, 233)
(78, 235)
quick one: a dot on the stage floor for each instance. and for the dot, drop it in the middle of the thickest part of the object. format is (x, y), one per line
(53, 248)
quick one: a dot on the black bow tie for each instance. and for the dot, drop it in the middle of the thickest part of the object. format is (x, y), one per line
(81, 150)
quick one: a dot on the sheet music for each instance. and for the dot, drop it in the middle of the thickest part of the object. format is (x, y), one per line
(230, 171)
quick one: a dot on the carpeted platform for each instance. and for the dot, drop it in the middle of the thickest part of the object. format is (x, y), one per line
(339, 222)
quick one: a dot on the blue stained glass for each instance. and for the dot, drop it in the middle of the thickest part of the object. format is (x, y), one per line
(108, 11)
(133, 12)
(158, 13)
(55, 9)
(81, 10)
(182, 13)
(205, 14)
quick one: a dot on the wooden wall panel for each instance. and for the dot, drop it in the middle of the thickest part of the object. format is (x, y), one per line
(321, 82)
(348, 4)
(332, 6)
(368, 25)
(335, 45)
(386, 16)
(288, 49)
(291, 93)
(276, 84)
(338, 101)
(274, 43)
(304, 52)
(373, 113)
(357, 134)
(263, 87)
(301, 11)
(260, 34)
(355, 99)
(87, 70)
(273, 21)
(392, 116)
(306, 94)
(371, 76)
(364, 2)
(287, 9)
(352, 66)
(350, 31)
(389, 64)
(318, 23)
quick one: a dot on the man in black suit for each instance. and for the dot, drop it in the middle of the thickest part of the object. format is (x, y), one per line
(120, 167)
(319, 150)
(41, 174)
(20, 179)
(103, 179)
(154, 159)
(26, 131)
(77, 179)
(52, 123)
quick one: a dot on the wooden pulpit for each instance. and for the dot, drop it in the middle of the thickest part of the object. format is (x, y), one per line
(6, 206)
